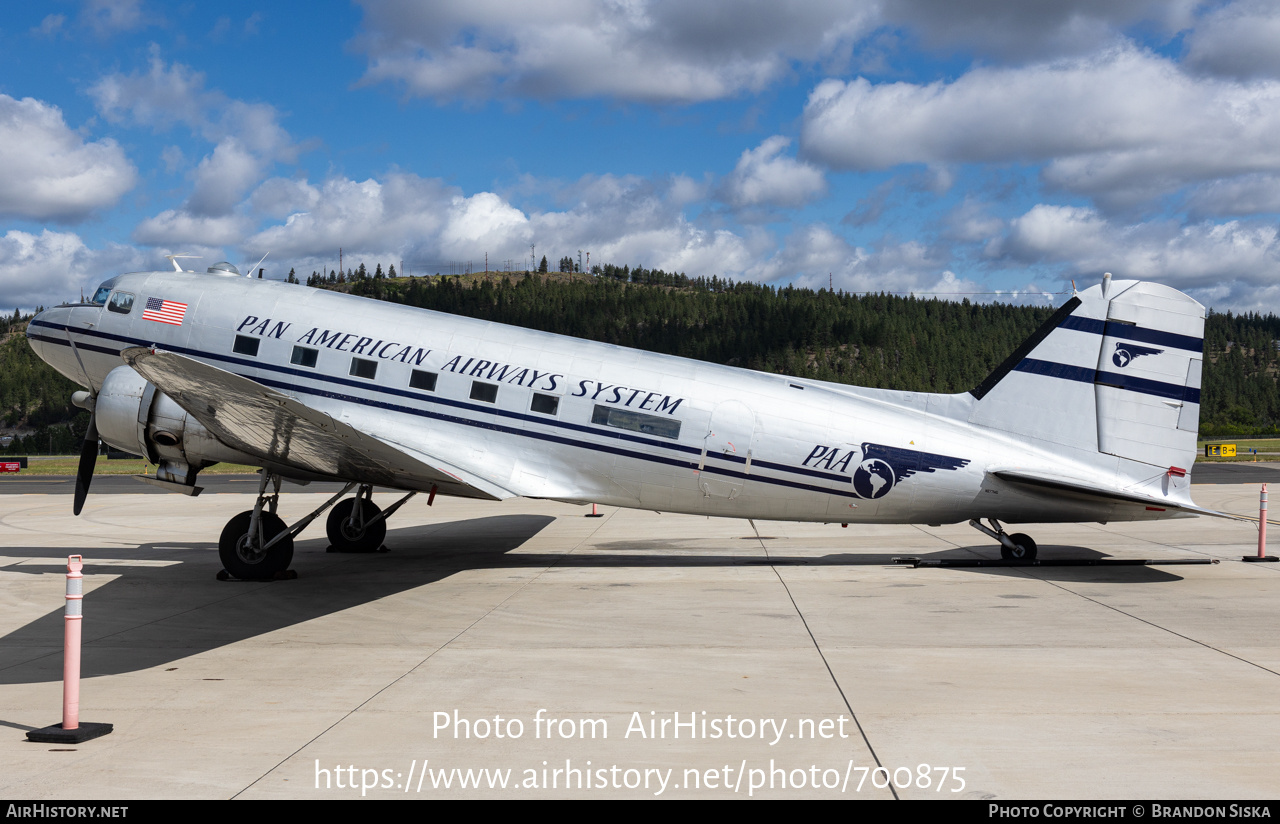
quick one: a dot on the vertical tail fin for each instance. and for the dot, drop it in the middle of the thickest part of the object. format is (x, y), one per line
(1116, 371)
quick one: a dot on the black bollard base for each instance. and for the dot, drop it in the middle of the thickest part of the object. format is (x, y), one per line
(57, 735)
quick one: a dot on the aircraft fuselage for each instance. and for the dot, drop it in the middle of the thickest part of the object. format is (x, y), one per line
(554, 417)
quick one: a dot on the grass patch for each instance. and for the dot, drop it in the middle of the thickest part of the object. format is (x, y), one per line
(69, 464)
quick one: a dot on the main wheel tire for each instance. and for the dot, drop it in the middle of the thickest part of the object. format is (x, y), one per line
(241, 559)
(342, 536)
(1024, 543)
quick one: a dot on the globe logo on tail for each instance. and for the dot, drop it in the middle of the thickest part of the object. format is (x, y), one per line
(1126, 352)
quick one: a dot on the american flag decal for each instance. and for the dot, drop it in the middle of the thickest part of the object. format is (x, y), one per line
(164, 311)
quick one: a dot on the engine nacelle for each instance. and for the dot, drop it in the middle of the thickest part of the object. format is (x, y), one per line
(132, 415)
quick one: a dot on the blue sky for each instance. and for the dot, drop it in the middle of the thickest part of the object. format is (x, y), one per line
(935, 146)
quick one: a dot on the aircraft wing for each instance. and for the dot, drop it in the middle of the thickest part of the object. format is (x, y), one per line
(1084, 489)
(287, 434)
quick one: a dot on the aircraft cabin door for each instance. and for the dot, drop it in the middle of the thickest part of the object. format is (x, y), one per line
(726, 450)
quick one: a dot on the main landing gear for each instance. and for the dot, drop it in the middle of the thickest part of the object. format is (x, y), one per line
(358, 525)
(1015, 547)
(256, 545)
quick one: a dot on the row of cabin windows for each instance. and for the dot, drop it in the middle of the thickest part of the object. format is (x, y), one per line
(122, 303)
(484, 392)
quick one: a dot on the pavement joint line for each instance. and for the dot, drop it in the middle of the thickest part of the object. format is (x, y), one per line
(1157, 626)
(1027, 572)
(825, 663)
(430, 655)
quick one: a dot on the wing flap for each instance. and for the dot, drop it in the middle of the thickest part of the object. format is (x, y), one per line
(284, 432)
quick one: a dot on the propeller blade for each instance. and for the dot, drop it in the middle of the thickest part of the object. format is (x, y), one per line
(88, 457)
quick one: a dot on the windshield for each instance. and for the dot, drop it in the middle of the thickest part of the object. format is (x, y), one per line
(100, 296)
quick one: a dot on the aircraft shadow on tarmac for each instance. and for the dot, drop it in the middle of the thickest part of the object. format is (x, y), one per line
(154, 614)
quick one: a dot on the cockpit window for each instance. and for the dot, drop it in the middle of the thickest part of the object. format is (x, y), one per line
(121, 302)
(100, 296)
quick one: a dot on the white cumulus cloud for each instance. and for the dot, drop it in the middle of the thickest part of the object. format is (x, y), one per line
(174, 227)
(248, 138)
(49, 172)
(1239, 39)
(1235, 261)
(766, 177)
(405, 217)
(649, 50)
(1123, 126)
(51, 267)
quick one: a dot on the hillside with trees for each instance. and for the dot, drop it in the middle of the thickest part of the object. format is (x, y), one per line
(878, 340)
(35, 401)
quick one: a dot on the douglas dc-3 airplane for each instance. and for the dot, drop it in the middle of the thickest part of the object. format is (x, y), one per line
(1093, 418)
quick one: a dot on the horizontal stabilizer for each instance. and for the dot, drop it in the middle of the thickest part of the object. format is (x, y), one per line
(1090, 491)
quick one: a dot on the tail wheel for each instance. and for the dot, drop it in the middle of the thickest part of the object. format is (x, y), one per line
(241, 554)
(1026, 547)
(361, 536)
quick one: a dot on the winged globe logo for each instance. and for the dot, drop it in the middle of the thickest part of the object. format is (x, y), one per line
(1126, 352)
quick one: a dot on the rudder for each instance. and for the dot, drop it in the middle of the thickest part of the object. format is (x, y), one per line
(1148, 377)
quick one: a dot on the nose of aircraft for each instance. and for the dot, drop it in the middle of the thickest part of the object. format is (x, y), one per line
(44, 326)
(33, 333)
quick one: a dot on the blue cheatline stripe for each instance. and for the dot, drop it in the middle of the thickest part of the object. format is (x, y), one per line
(1127, 331)
(542, 436)
(1171, 340)
(1084, 374)
(1056, 370)
(471, 408)
(87, 347)
(1173, 391)
(365, 386)
(1079, 324)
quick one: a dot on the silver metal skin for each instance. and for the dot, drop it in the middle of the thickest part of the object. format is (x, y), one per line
(1063, 435)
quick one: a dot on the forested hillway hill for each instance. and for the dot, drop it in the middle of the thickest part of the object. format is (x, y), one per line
(879, 340)
(35, 397)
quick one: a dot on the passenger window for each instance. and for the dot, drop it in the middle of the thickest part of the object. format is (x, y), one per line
(246, 345)
(121, 302)
(302, 356)
(636, 422)
(487, 392)
(544, 404)
(361, 368)
(423, 380)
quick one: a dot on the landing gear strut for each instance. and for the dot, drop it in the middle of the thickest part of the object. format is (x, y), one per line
(256, 545)
(358, 524)
(1015, 547)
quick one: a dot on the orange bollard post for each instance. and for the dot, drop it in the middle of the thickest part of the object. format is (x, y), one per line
(1262, 530)
(71, 731)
